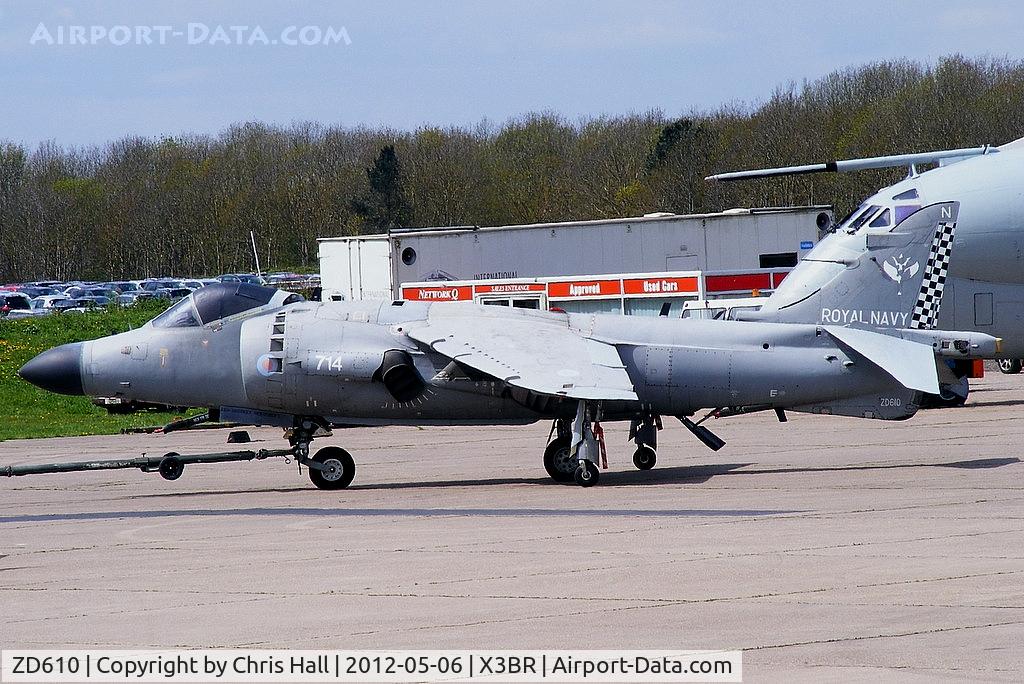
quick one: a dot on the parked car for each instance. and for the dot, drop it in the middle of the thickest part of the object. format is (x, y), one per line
(121, 286)
(77, 304)
(161, 284)
(45, 303)
(33, 291)
(15, 305)
(250, 278)
(130, 298)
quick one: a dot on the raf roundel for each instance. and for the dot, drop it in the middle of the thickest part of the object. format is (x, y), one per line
(266, 365)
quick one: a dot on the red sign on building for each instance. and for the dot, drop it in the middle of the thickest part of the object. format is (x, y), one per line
(510, 288)
(663, 286)
(456, 293)
(585, 288)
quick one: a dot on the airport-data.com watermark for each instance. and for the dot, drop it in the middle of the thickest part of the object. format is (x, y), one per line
(192, 33)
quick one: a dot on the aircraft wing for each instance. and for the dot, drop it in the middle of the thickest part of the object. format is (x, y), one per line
(943, 157)
(911, 364)
(534, 354)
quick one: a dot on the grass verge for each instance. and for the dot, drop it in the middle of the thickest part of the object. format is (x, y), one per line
(27, 411)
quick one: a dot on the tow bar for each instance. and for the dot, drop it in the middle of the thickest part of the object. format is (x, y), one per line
(170, 465)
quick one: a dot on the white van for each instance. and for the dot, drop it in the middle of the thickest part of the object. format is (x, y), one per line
(720, 309)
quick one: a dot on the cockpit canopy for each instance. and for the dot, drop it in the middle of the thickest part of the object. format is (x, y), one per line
(880, 215)
(214, 302)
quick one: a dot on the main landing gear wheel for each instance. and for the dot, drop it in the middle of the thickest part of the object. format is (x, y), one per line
(586, 474)
(644, 458)
(1010, 366)
(338, 468)
(558, 461)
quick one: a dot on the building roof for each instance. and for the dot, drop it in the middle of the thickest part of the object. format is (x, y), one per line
(647, 218)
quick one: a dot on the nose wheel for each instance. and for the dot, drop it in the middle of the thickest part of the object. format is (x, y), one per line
(331, 468)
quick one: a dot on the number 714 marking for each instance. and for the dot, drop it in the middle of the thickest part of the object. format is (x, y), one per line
(327, 362)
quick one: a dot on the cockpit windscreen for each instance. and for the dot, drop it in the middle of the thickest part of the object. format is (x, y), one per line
(214, 302)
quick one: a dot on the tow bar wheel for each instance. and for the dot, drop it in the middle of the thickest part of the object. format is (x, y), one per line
(171, 466)
(336, 468)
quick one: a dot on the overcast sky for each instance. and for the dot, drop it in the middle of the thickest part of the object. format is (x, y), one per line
(406, 64)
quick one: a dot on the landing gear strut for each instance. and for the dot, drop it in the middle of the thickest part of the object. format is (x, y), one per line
(572, 454)
(587, 444)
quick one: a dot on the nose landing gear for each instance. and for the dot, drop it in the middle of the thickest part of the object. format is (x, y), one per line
(329, 468)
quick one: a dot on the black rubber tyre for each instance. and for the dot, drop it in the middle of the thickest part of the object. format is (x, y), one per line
(950, 395)
(557, 461)
(587, 474)
(171, 466)
(950, 399)
(340, 468)
(644, 458)
(1010, 366)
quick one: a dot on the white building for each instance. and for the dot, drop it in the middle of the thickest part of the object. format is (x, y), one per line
(628, 265)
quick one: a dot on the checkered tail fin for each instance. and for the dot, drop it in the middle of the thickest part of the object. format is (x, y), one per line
(925, 315)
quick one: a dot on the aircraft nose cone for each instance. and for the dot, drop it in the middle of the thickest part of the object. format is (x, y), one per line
(56, 370)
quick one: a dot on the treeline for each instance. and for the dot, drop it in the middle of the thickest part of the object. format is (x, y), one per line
(185, 206)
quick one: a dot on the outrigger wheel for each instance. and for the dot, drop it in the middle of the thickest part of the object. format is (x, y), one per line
(336, 468)
(559, 463)
(644, 458)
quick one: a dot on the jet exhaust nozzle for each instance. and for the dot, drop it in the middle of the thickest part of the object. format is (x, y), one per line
(56, 370)
(400, 377)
